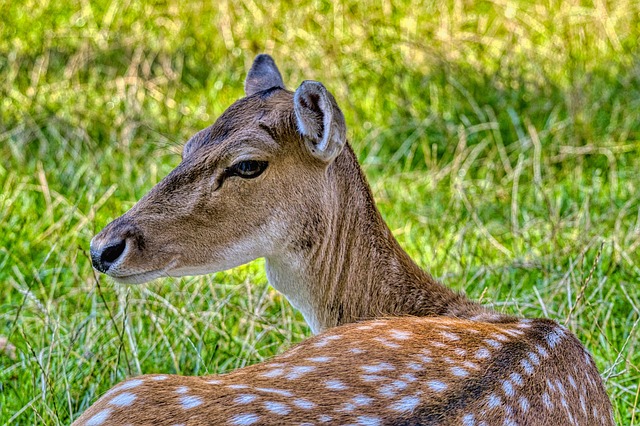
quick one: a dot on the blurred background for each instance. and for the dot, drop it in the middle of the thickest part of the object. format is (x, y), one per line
(501, 139)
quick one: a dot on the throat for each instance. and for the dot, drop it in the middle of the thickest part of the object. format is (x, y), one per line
(354, 269)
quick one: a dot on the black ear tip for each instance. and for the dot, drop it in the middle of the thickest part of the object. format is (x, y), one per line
(263, 58)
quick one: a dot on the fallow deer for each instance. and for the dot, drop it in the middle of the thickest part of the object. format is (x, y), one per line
(274, 177)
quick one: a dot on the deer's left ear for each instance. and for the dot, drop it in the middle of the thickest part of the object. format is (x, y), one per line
(263, 75)
(320, 121)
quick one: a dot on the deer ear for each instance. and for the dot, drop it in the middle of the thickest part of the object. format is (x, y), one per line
(320, 121)
(263, 75)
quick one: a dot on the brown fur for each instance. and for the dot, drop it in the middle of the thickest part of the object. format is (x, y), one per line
(312, 216)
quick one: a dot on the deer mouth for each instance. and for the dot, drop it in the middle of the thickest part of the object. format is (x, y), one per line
(142, 277)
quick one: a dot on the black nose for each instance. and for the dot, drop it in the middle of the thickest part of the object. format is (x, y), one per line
(103, 259)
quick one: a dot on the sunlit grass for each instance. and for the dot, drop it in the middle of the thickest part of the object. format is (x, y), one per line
(501, 140)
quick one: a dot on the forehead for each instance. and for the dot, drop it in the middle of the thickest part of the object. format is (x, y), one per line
(266, 113)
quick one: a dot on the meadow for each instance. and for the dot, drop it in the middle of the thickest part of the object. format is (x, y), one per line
(501, 139)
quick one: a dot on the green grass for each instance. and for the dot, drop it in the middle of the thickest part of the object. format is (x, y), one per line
(501, 139)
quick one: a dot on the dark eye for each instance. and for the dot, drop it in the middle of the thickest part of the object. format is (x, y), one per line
(248, 169)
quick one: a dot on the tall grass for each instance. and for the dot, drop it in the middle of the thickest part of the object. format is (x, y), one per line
(501, 138)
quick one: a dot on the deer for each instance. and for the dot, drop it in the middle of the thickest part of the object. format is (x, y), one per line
(274, 177)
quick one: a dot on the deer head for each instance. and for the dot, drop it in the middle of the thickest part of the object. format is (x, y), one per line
(243, 190)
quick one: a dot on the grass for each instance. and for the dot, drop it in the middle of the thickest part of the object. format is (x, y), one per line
(501, 139)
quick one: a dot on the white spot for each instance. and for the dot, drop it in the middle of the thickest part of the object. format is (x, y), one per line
(335, 385)
(399, 384)
(583, 404)
(277, 408)
(493, 343)
(276, 391)
(190, 401)
(587, 357)
(364, 327)
(244, 419)
(215, 382)
(388, 391)
(298, 371)
(99, 418)
(551, 386)
(399, 334)
(471, 365)
(513, 332)
(325, 340)
(425, 358)
(528, 368)
(482, 353)
(517, 379)
(468, 420)
(460, 352)
(356, 351)
(510, 422)
(324, 418)
(572, 382)
(414, 366)
(547, 401)
(553, 339)
(524, 323)
(182, 389)
(437, 385)
(347, 407)
(371, 378)
(524, 404)
(276, 372)
(409, 377)
(305, 404)
(377, 368)
(449, 336)
(362, 400)
(439, 345)
(407, 403)
(245, 398)
(493, 401)
(123, 400)
(500, 337)
(130, 384)
(542, 351)
(387, 343)
(508, 388)
(320, 359)
(459, 371)
(159, 378)
(534, 358)
(369, 421)
(237, 386)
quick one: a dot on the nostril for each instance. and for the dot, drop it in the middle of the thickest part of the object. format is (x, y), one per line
(112, 253)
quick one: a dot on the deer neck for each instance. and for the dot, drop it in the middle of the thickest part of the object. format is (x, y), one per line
(353, 268)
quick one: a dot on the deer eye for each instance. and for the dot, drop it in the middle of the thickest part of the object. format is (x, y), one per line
(248, 169)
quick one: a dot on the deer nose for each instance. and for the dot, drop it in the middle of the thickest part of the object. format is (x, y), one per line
(104, 257)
